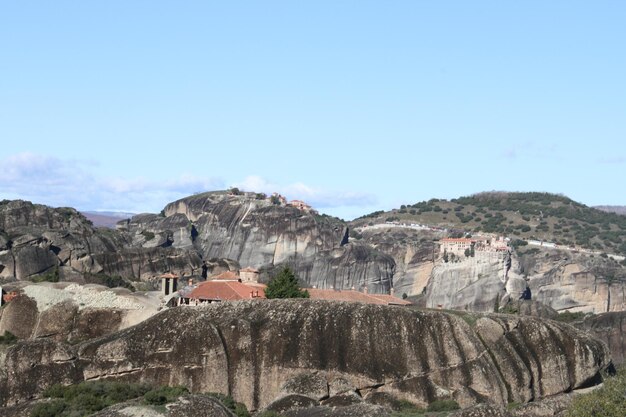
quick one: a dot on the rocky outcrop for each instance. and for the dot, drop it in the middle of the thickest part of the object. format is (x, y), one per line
(19, 317)
(39, 238)
(413, 251)
(574, 282)
(559, 279)
(186, 406)
(147, 264)
(254, 232)
(478, 283)
(611, 329)
(72, 313)
(260, 351)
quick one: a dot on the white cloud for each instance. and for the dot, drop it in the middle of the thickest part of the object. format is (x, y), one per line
(66, 182)
(57, 182)
(317, 197)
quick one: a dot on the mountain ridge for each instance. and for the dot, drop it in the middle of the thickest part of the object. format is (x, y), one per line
(530, 216)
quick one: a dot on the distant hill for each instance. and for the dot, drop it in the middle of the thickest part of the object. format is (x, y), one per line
(613, 209)
(540, 216)
(106, 218)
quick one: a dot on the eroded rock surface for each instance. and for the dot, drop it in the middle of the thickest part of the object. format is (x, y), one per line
(254, 232)
(256, 350)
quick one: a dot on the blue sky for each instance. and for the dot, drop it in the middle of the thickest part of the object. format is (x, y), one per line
(354, 106)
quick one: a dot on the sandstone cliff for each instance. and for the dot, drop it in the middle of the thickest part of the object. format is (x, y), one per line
(73, 313)
(260, 351)
(611, 329)
(561, 280)
(35, 239)
(254, 232)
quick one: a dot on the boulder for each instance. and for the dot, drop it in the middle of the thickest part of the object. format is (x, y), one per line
(251, 350)
(19, 317)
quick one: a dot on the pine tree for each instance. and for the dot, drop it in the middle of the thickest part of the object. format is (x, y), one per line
(285, 285)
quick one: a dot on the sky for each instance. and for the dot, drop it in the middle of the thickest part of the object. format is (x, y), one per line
(352, 106)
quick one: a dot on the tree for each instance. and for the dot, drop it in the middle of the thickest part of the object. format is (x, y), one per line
(285, 285)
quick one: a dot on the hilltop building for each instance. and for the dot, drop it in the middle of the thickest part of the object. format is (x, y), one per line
(227, 286)
(244, 285)
(480, 244)
(300, 205)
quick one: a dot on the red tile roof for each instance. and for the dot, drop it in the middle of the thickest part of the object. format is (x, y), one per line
(228, 275)
(169, 275)
(226, 291)
(355, 296)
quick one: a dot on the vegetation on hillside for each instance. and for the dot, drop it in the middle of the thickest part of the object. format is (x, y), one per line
(111, 281)
(87, 398)
(8, 338)
(541, 216)
(606, 401)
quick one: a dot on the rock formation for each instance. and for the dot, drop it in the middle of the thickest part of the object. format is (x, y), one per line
(255, 232)
(611, 329)
(231, 231)
(72, 313)
(35, 239)
(261, 351)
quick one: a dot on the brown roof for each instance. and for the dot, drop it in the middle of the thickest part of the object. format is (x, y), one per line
(355, 296)
(228, 275)
(459, 240)
(226, 291)
(169, 275)
(249, 269)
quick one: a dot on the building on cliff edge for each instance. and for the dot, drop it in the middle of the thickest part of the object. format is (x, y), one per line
(244, 285)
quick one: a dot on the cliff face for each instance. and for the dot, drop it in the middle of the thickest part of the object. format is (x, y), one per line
(259, 351)
(569, 281)
(477, 283)
(561, 280)
(72, 313)
(611, 329)
(245, 231)
(254, 232)
(37, 238)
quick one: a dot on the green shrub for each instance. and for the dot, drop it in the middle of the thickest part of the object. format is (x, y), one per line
(50, 276)
(407, 409)
(147, 234)
(568, 316)
(54, 408)
(163, 395)
(607, 401)
(285, 285)
(269, 414)
(8, 338)
(513, 405)
(111, 281)
(86, 398)
(239, 409)
(518, 242)
(443, 405)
